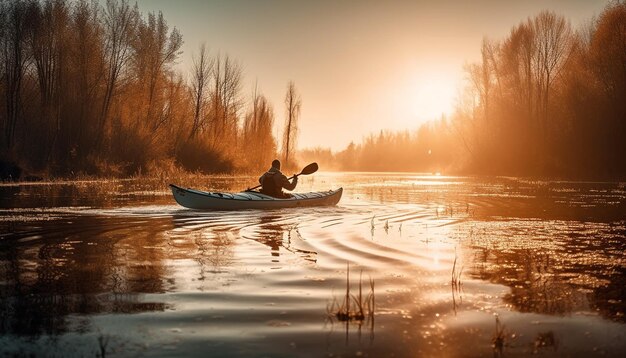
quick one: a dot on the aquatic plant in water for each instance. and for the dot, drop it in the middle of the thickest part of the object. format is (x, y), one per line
(498, 337)
(456, 275)
(357, 308)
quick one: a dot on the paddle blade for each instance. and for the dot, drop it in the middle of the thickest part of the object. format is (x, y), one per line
(309, 169)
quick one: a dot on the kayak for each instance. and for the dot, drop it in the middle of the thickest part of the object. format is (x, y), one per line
(197, 199)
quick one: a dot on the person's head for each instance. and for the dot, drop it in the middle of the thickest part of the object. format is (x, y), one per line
(276, 164)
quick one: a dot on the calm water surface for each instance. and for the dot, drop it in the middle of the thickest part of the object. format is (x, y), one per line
(117, 267)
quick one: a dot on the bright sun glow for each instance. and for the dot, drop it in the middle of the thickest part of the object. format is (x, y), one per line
(433, 95)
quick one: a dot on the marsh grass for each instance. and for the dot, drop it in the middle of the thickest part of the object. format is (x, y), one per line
(103, 190)
(456, 275)
(354, 307)
(157, 175)
(455, 283)
(498, 337)
(103, 342)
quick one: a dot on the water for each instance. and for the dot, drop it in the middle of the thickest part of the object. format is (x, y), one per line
(117, 267)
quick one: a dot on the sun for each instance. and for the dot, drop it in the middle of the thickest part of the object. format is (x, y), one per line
(433, 95)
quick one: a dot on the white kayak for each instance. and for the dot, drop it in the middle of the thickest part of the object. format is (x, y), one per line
(197, 199)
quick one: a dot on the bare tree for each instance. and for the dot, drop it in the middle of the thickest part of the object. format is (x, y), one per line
(608, 55)
(553, 38)
(482, 78)
(225, 99)
(120, 20)
(88, 65)
(155, 51)
(251, 120)
(608, 63)
(259, 144)
(519, 51)
(202, 67)
(293, 104)
(13, 18)
(48, 39)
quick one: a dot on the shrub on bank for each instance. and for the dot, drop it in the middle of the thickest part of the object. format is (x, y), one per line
(201, 156)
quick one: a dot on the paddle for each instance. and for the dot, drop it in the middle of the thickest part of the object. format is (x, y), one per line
(309, 169)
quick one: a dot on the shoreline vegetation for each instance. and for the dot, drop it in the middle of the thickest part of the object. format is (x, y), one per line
(90, 90)
(546, 101)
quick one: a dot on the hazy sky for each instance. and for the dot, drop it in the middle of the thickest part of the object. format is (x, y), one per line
(360, 66)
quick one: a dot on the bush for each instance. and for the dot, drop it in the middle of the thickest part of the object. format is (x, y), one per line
(196, 155)
(9, 171)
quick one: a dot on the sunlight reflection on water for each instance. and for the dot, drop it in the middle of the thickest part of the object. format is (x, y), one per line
(121, 260)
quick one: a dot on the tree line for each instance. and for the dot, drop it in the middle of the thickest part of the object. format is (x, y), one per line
(91, 88)
(551, 100)
(430, 148)
(547, 100)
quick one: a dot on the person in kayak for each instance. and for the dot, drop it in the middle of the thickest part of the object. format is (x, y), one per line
(273, 182)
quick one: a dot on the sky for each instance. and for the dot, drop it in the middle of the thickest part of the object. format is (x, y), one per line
(360, 66)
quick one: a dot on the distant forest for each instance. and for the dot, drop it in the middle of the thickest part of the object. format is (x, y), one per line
(89, 88)
(545, 101)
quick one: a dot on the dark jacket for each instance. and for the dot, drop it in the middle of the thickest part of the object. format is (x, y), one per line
(274, 181)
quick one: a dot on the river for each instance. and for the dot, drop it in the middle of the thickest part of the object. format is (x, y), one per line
(442, 266)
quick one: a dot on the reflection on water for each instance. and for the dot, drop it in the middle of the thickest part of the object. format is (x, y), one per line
(582, 269)
(119, 262)
(65, 267)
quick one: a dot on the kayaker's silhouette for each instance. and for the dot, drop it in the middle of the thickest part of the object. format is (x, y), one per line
(273, 182)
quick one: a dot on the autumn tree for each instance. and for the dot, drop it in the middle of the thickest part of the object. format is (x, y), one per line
(259, 145)
(553, 43)
(608, 59)
(85, 65)
(13, 29)
(155, 50)
(202, 67)
(48, 42)
(293, 105)
(516, 86)
(120, 21)
(226, 102)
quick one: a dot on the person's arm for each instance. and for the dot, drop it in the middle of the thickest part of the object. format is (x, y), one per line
(287, 185)
(261, 179)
